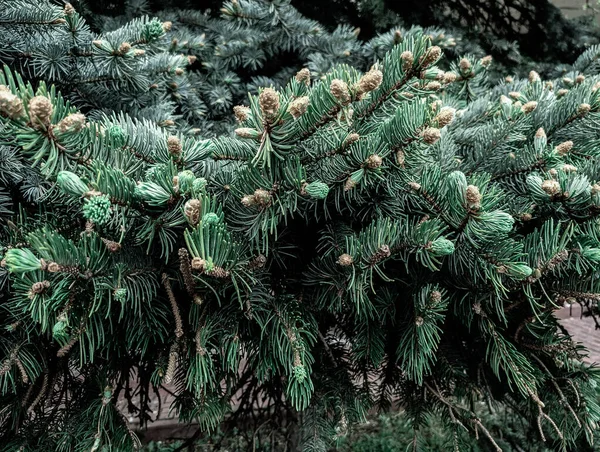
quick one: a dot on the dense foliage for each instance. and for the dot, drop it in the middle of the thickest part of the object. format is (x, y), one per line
(378, 231)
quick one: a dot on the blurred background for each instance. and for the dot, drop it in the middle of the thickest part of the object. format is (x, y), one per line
(540, 30)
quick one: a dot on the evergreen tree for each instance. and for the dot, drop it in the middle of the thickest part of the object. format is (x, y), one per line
(395, 235)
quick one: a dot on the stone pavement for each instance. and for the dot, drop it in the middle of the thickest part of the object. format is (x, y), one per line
(583, 329)
(577, 8)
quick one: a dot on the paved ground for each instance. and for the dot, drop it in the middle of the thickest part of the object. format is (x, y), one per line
(583, 329)
(575, 8)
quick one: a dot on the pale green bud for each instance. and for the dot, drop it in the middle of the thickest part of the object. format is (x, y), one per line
(21, 261)
(71, 184)
(317, 190)
(441, 247)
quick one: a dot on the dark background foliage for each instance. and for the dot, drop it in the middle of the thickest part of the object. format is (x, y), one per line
(537, 28)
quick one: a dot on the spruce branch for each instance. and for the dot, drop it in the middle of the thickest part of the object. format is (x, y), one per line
(301, 236)
(561, 395)
(174, 306)
(65, 349)
(473, 417)
(186, 271)
(41, 394)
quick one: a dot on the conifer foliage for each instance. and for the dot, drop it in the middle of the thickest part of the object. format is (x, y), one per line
(398, 235)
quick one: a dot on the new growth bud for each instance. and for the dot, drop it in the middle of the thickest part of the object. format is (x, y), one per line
(38, 288)
(564, 147)
(408, 60)
(529, 106)
(349, 184)
(369, 82)
(431, 135)
(449, 77)
(174, 146)
(71, 183)
(534, 77)
(269, 103)
(124, 48)
(11, 106)
(400, 157)
(40, 112)
(473, 197)
(540, 133)
(241, 112)
(248, 200)
(316, 190)
(432, 55)
(441, 247)
(247, 132)
(352, 138)
(97, 209)
(464, 65)
(263, 197)
(69, 10)
(433, 86)
(72, 123)
(445, 116)
(486, 61)
(397, 37)
(583, 109)
(339, 90)
(551, 187)
(436, 296)
(303, 76)
(373, 161)
(298, 107)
